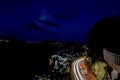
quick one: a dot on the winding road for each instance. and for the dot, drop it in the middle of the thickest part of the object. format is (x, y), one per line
(76, 67)
(80, 72)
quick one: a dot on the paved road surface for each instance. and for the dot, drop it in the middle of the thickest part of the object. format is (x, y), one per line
(76, 71)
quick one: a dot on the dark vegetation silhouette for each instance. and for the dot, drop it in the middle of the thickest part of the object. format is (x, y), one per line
(21, 59)
(104, 34)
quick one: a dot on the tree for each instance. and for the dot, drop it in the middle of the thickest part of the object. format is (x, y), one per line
(104, 34)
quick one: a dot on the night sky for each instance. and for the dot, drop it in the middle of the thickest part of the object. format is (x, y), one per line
(61, 20)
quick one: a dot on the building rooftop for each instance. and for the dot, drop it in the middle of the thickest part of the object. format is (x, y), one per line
(114, 50)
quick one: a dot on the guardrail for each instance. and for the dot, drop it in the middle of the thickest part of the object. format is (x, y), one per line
(112, 59)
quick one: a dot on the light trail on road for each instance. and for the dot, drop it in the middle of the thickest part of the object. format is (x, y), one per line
(76, 71)
(80, 72)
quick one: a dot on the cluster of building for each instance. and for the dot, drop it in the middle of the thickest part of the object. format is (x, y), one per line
(60, 62)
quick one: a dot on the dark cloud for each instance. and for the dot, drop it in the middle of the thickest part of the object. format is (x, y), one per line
(50, 23)
(63, 17)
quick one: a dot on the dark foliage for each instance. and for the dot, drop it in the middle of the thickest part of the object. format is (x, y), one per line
(104, 34)
(23, 60)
